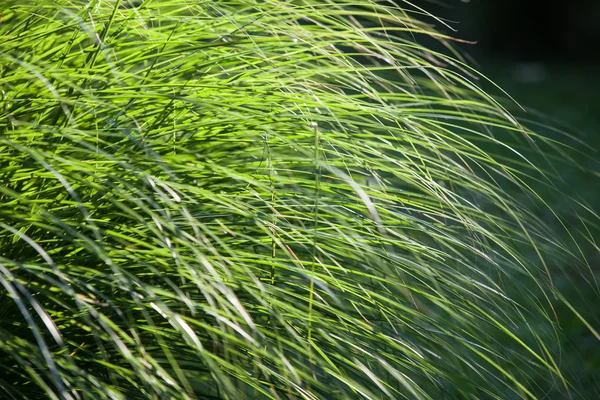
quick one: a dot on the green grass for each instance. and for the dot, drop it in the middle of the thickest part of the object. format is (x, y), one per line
(272, 199)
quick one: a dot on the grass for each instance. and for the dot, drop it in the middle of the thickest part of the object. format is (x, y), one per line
(566, 94)
(270, 199)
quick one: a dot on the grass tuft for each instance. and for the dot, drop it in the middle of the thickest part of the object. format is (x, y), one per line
(246, 199)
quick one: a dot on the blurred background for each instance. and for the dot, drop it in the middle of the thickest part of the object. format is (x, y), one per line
(546, 55)
(549, 31)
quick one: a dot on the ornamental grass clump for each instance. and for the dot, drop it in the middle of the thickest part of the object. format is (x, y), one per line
(248, 199)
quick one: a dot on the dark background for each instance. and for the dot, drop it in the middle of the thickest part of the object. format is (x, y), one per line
(566, 31)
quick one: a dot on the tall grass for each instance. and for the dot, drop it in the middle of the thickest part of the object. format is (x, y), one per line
(247, 199)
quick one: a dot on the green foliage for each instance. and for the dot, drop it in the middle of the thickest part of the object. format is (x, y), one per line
(269, 199)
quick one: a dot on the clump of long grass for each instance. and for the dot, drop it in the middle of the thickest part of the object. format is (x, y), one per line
(266, 199)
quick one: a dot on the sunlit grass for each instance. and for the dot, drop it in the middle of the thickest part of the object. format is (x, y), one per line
(268, 199)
